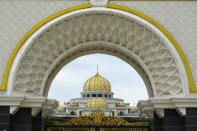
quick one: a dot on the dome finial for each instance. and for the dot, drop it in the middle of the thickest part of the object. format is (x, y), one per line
(97, 70)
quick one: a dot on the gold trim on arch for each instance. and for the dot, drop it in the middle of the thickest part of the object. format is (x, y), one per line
(152, 21)
(28, 34)
(167, 34)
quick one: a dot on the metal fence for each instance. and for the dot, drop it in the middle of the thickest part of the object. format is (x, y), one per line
(65, 128)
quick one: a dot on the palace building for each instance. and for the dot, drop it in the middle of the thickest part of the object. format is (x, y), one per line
(96, 95)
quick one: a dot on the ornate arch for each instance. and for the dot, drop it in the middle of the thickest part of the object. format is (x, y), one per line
(103, 30)
(104, 48)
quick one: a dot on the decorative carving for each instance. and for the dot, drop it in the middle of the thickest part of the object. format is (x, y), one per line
(181, 111)
(160, 112)
(14, 109)
(35, 111)
(98, 26)
(96, 118)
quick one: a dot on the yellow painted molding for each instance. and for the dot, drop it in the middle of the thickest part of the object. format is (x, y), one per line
(168, 35)
(28, 34)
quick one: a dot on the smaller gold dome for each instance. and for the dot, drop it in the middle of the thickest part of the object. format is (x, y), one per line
(97, 103)
(132, 108)
(60, 108)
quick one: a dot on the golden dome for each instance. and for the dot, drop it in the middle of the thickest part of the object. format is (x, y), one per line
(132, 108)
(60, 108)
(97, 83)
(97, 103)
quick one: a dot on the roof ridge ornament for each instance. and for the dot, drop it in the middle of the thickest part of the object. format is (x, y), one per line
(99, 3)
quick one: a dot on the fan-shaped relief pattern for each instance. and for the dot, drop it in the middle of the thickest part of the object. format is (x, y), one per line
(99, 27)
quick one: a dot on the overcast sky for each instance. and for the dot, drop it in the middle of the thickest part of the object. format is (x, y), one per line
(125, 81)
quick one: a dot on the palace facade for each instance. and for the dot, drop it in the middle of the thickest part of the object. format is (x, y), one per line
(96, 95)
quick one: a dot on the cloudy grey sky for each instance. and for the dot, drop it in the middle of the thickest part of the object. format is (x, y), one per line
(125, 81)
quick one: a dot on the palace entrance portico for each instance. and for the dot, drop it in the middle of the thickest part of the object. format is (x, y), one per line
(29, 62)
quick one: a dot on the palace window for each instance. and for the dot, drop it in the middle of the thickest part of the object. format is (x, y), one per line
(113, 113)
(120, 113)
(100, 95)
(72, 113)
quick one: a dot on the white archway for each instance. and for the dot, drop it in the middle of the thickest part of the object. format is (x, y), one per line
(102, 30)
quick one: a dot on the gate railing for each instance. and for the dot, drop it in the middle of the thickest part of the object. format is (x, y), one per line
(96, 121)
(77, 128)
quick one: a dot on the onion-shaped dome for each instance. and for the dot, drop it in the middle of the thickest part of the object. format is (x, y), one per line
(97, 103)
(97, 83)
(61, 108)
(132, 108)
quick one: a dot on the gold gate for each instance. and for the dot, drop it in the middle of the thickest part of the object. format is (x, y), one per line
(96, 121)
